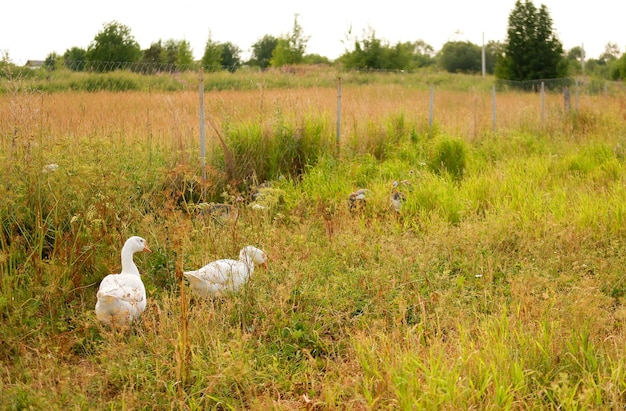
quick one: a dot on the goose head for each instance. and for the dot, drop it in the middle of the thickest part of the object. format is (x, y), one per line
(253, 254)
(135, 244)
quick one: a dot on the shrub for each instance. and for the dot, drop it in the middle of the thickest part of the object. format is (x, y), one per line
(449, 156)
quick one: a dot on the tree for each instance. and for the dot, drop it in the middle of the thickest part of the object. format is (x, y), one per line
(155, 54)
(290, 49)
(493, 50)
(460, 57)
(575, 59)
(611, 52)
(371, 52)
(212, 57)
(173, 55)
(75, 58)
(368, 53)
(231, 56)
(184, 55)
(262, 51)
(532, 50)
(618, 68)
(423, 54)
(114, 45)
(53, 61)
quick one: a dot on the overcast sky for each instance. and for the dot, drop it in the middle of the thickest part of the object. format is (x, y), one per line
(30, 30)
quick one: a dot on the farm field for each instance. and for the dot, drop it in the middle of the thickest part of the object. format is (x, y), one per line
(498, 285)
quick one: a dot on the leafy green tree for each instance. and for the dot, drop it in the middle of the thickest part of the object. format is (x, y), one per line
(231, 56)
(75, 58)
(618, 68)
(173, 55)
(575, 59)
(493, 50)
(262, 51)
(532, 50)
(373, 53)
(184, 55)
(423, 54)
(115, 45)
(460, 57)
(53, 61)
(212, 57)
(611, 52)
(315, 59)
(290, 49)
(154, 54)
(368, 53)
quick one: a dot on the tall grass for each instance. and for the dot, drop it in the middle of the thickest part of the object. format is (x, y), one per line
(499, 285)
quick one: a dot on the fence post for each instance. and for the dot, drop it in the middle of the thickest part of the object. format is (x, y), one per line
(493, 107)
(543, 103)
(338, 142)
(432, 109)
(576, 95)
(202, 130)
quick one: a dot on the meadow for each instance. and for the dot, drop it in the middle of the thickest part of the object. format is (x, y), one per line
(499, 285)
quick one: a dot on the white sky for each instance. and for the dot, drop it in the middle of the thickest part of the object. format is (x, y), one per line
(33, 29)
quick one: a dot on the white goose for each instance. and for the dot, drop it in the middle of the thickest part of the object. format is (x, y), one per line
(218, 277)
(122, 297)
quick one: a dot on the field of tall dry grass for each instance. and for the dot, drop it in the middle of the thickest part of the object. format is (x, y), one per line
(498, 285)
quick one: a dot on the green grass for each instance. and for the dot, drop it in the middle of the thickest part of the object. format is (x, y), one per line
(500, 284)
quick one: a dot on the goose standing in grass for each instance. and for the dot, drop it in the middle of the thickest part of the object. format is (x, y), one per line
(357, 200)
(221, 276)
(396, 198)
(221, 212)
(122, 297)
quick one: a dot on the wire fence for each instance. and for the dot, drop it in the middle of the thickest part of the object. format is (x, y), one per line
(583, 85)
(479, 105)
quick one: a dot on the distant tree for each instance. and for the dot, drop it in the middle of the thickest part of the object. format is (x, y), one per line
(493, 50)
(315, 59)
(184, 55)
(231, 56)
(423, 54)
(262, 51)
(53, 61)
(155, 54)
(173, 55)
(75, 58)
(611, 52)
(290, 49)
(460, 57)
(115, 45)
(370, 52)
(212, 57)
(170, 49)
(618, 71)
(575, 59)
(532, 51)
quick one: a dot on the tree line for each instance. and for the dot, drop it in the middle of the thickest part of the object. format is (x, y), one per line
(531, 51)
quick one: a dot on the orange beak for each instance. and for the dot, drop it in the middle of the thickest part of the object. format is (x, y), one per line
(146, 249)
(264, 265)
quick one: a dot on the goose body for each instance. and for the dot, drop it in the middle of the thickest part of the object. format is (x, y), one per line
(396, 198)
(225, 275)
(357, 199)
(122, 297)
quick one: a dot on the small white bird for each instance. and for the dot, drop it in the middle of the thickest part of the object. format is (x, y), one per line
(122, 297)
(221, 276)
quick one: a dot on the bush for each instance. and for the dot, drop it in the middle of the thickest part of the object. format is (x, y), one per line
(449, 156)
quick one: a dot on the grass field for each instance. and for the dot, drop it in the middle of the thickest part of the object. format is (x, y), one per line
(499, 285)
